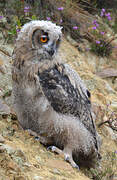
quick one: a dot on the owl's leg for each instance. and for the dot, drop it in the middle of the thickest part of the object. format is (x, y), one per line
(67, 153)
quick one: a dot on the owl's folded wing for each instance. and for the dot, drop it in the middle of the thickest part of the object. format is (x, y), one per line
(67, 94)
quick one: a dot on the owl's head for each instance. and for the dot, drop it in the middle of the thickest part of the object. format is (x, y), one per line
(43, 37)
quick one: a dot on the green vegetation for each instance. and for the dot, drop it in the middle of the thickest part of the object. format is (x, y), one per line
(108, 171)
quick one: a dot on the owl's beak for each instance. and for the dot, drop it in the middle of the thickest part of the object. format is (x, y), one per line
(52, 49)
(51, 52)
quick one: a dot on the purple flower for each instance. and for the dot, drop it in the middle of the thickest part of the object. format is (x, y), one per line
(107, 14)
(1, 17)
(75, 27)
(116, 152)
(94, 27)
(94, 22)
(26, 9)
(115, 47)
(103, 10)
(87, 49)
(109, 18)
(102, 14)
(17, 30)
(48, 18)
(102, 33)
(60, 8)
(97, 42)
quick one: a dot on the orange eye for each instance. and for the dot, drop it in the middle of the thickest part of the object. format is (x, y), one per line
(44, 39)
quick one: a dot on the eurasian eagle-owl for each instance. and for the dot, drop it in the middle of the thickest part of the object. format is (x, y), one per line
(49, 97)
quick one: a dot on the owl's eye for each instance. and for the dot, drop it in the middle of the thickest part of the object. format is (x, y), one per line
(44, 38)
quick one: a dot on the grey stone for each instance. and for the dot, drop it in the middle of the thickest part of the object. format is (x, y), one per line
(114, 105)
(38, 178)
(2, 140)
(4, 108)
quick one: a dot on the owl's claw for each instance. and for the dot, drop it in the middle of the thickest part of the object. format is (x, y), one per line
(55, 149)
(37, 138)
(67, 157)
(50, 148)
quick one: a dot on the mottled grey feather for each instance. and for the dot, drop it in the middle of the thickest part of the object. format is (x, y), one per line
(67, 97)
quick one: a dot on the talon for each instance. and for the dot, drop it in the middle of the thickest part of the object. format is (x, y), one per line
(37, 138)
(67, 158)
(77, 167)
(52, 148)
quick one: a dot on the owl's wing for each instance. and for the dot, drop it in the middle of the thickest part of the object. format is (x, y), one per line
(67, 94)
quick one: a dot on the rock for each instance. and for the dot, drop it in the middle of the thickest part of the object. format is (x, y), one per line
(90, 83)
(108, 88)
(13, 166)
(8, 149)
(5, 79)
(4, 108)
(20, 178)
(19, 153)
(56, 171)
(7, 50)
(102, 62)
(38, 178)
(2, 69)
(1, 93)
(72, 41)
(2, 149)
(114, 105)
(2, 140)
(108, 72)
(91, 61)
(111, 133)
(19, 157)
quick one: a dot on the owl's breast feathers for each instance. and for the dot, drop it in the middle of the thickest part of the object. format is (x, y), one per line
(67, 94)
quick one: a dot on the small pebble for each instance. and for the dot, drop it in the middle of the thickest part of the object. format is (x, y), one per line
(38, 178)
(56, 171)
(2, 140)
(2, 149)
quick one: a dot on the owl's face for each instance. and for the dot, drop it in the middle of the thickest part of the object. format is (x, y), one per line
(42, 37)
(45, 43)
(38, 40)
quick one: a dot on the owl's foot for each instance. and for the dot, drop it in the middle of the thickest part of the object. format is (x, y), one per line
(43, 140)
(55, 150)
(67, 155)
